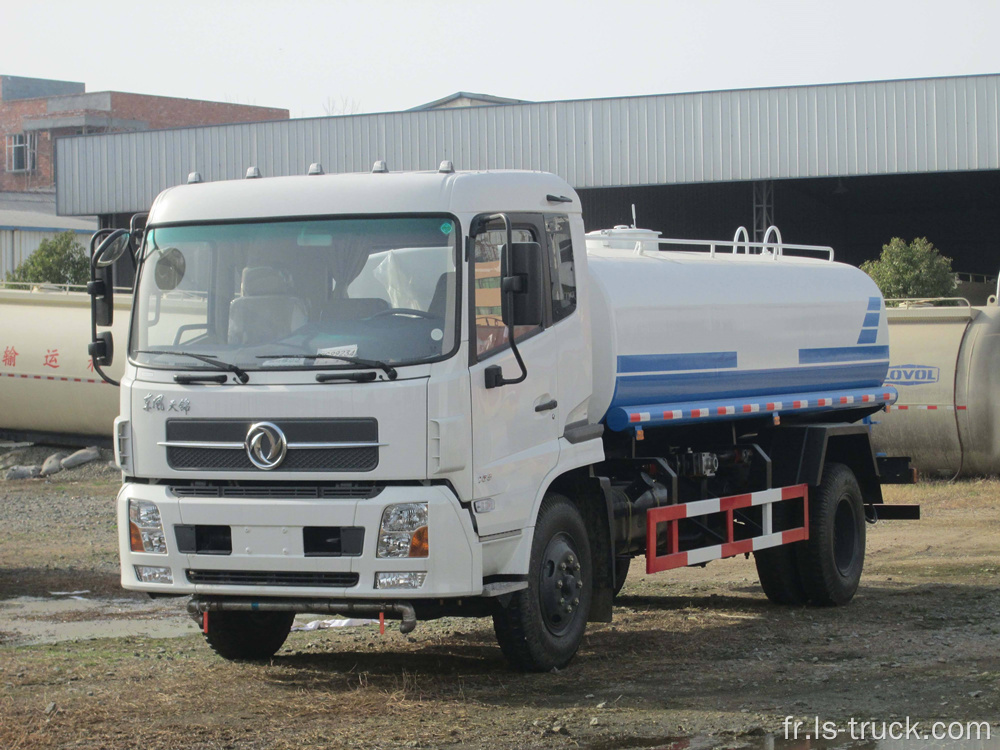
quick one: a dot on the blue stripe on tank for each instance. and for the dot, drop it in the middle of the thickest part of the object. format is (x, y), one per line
(651, 389)
(874, 303)
(843, 354)
(675, 362)
(871, 320)
(868, 336)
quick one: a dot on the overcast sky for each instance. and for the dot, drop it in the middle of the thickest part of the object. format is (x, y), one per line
(316, 57)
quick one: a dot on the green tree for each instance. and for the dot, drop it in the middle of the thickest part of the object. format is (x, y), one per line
(911, 269)
(61, 260)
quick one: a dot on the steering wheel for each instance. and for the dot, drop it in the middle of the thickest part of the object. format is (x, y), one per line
(404, 311)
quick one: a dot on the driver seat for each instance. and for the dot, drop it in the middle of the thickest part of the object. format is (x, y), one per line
(266, 309)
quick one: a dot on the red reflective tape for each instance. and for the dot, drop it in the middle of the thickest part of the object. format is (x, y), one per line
(843, 399)
(666, 513)
(886, 396)
(770, 406)
(795, 490)
(666, 562)
(634, 418)
(799, 404)
(904, 407)
(932, 407)
(720, 410)
(747, 408)
(735, 501)
(668, 415)
(866, 398)
(794, 535)
(961, 408)
(737, 548)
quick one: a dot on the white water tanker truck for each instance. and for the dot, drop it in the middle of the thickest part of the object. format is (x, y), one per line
(425, 394)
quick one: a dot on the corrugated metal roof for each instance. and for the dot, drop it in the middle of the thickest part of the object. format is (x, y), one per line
(886, 127)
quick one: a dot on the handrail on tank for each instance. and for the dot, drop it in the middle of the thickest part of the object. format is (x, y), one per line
(931, 301)
(776, 249)
(742, 231)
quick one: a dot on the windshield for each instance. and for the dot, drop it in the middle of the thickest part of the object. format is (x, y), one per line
(289, 294)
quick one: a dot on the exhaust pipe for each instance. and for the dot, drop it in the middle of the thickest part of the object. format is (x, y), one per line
(404, 611)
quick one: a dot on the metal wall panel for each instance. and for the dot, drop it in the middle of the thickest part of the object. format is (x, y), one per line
(889, 127)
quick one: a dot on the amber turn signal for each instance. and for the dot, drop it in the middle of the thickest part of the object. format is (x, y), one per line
(418, 543)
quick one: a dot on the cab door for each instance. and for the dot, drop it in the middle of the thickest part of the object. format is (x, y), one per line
(515, 427)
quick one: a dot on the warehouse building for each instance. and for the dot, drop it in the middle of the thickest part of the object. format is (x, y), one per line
(849, 165)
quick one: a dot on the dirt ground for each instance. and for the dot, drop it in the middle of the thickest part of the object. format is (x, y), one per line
(695, 658)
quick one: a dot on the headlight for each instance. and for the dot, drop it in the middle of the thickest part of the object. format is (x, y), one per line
(145, 529)
(403, 532)
(150, 574)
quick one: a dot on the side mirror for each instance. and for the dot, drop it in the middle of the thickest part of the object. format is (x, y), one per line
(521, 285)
(101, 290)
(101, 285)
(102, 349)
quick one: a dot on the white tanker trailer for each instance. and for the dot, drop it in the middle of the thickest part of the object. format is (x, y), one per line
(415, 395)
(945, 364)
(48, 387)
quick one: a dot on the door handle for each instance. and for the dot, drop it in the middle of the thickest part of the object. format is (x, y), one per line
(547, 405)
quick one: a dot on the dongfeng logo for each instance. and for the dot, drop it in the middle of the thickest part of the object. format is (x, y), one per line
(913, 375)
(266, 445)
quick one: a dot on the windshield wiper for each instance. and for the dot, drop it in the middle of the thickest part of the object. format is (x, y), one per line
(388, 369)
(238, 371)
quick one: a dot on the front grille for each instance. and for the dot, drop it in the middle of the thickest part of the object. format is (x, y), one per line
(271, 578)
(345, 491)
(297, 431)
(333, 459)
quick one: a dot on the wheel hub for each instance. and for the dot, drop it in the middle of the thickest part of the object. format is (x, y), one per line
(560, 583)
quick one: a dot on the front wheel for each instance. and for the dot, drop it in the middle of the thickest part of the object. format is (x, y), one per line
(248, 636)
(542, 626)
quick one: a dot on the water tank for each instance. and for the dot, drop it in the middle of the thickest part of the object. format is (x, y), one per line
(724, 324)
(945, 364)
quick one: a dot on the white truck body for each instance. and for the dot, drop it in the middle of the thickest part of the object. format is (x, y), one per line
(641, 339)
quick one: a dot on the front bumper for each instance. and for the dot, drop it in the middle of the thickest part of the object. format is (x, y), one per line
(267, 545)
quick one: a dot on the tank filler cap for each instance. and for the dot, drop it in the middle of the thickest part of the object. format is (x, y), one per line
(194, 178)
(624, 238)
(253, 173)
(315, 168)
(446, 167)
(380, 167)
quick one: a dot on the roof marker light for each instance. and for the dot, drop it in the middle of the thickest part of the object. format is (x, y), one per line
(446, 167)
(380, 167)
(194, 178)
(253, 173)
(315, 168)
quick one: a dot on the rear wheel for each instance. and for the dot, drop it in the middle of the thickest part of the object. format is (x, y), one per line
(248, 636)
(778, 571)
(543, 625)
(832, 559)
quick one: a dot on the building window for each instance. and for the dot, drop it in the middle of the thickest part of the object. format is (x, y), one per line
(21, 152)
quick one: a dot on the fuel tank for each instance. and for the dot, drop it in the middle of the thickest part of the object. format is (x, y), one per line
(677, 322)
(945, 364)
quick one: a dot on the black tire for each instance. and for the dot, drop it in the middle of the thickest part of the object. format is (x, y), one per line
(248, 636)
(832, 559)
(541, 627)
(778, 571)
(621, 573)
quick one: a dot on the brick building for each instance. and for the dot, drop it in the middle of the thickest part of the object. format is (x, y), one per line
(36, 111)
